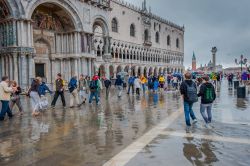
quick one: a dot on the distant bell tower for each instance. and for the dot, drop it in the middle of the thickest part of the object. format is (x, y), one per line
(194, 62)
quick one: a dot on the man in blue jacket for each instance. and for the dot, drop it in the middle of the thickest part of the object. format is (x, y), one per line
(131, 81)
(73, 92)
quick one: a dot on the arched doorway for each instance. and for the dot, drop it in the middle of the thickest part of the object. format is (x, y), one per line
(101, 71)
(53, 31)
(139, 72)
(126, 69)
(155, 72)
(118, 69)
(111, 71)
(150, 71)
(145, 72)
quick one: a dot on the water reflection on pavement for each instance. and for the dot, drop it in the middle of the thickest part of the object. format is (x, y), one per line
(88, 136)
(227, 143)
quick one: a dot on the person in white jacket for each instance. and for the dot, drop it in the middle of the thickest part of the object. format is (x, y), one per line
(5, 92)
(137, 85)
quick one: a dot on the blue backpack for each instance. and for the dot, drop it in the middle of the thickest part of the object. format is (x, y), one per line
(192, 93)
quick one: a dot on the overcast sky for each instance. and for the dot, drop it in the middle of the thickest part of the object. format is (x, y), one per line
(221, 23)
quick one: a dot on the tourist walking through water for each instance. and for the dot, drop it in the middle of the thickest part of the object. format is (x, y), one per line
(143, 80)
(15, 98)
(83, 89)
(188, 91)
(119, 86)
(107, 84)
(59, 91)
(5, 92)
(34, 96)
(131, 81)
(137, 84)
(93, 87)
(208, 95)
(73, 92)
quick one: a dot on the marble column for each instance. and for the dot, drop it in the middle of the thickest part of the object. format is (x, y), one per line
(28, 34)
(24, 74)
(2, 66)
(31, 67)
(15, 67)
(75, 67)
(61, 66)
(10, 67)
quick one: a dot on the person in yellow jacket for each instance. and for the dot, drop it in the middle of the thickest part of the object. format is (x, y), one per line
(5, 92)
(59, 90)
(161, 81)
(144, 81)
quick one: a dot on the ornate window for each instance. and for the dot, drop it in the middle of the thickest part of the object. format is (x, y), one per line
(157, 37)
(168, 40)
(132, 30)
(177, 43)
(114, 25)
(146, 37)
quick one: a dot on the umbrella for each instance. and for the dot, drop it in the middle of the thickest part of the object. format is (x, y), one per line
(122, 74)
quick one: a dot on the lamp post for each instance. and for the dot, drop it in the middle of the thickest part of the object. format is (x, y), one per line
(241, 62)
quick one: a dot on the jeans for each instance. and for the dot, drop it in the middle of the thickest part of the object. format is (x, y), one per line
(107, 92)
(5, 109)
(93, 94)
(57, 93)
(17, 101)
(144, 88)
(119, 90)
(129, 87)
(203, 107)
(74, 97)
(188, 112)
(35, 100)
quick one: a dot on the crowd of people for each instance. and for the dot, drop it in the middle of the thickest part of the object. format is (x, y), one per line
(86, 89)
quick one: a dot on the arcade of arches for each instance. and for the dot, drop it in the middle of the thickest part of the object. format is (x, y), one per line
(48, 37)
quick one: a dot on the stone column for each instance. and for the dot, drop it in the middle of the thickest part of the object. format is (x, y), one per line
(61, 66)
(29, 34)
(3, 65)
(75, 67)
(24, 74)
(31, 67)
(11, 67)
(15, 67)
(7, 65)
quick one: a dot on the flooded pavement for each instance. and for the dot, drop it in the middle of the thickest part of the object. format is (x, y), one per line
(227, 143)
(150, 130)
(88, 136)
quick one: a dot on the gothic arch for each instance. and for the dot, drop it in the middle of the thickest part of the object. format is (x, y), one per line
(102, 22)
(64, 4)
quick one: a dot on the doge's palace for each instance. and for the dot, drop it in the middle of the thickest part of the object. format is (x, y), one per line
(46, 37)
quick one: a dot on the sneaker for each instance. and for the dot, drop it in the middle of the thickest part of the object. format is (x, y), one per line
(195, 121)
(208, 126)
(52, 107)
(188, 129)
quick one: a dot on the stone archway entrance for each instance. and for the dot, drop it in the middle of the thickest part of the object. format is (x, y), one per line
(53, 32)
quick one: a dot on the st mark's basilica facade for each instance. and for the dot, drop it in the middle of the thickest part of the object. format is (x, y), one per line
(73, 37)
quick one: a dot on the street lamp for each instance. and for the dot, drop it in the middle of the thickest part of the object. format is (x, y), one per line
(241, 62)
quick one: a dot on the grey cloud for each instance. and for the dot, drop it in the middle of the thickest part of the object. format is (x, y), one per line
(221, 23)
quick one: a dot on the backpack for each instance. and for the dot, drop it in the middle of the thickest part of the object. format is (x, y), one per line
(93, 85)
(208, 95)
(71, 87)
(192, 96)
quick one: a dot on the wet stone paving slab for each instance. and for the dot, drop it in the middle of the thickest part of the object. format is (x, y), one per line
(147, 130)
(87, 136)
(227, 143)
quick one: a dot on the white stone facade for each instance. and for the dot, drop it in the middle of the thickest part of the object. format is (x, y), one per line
(46, 37)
